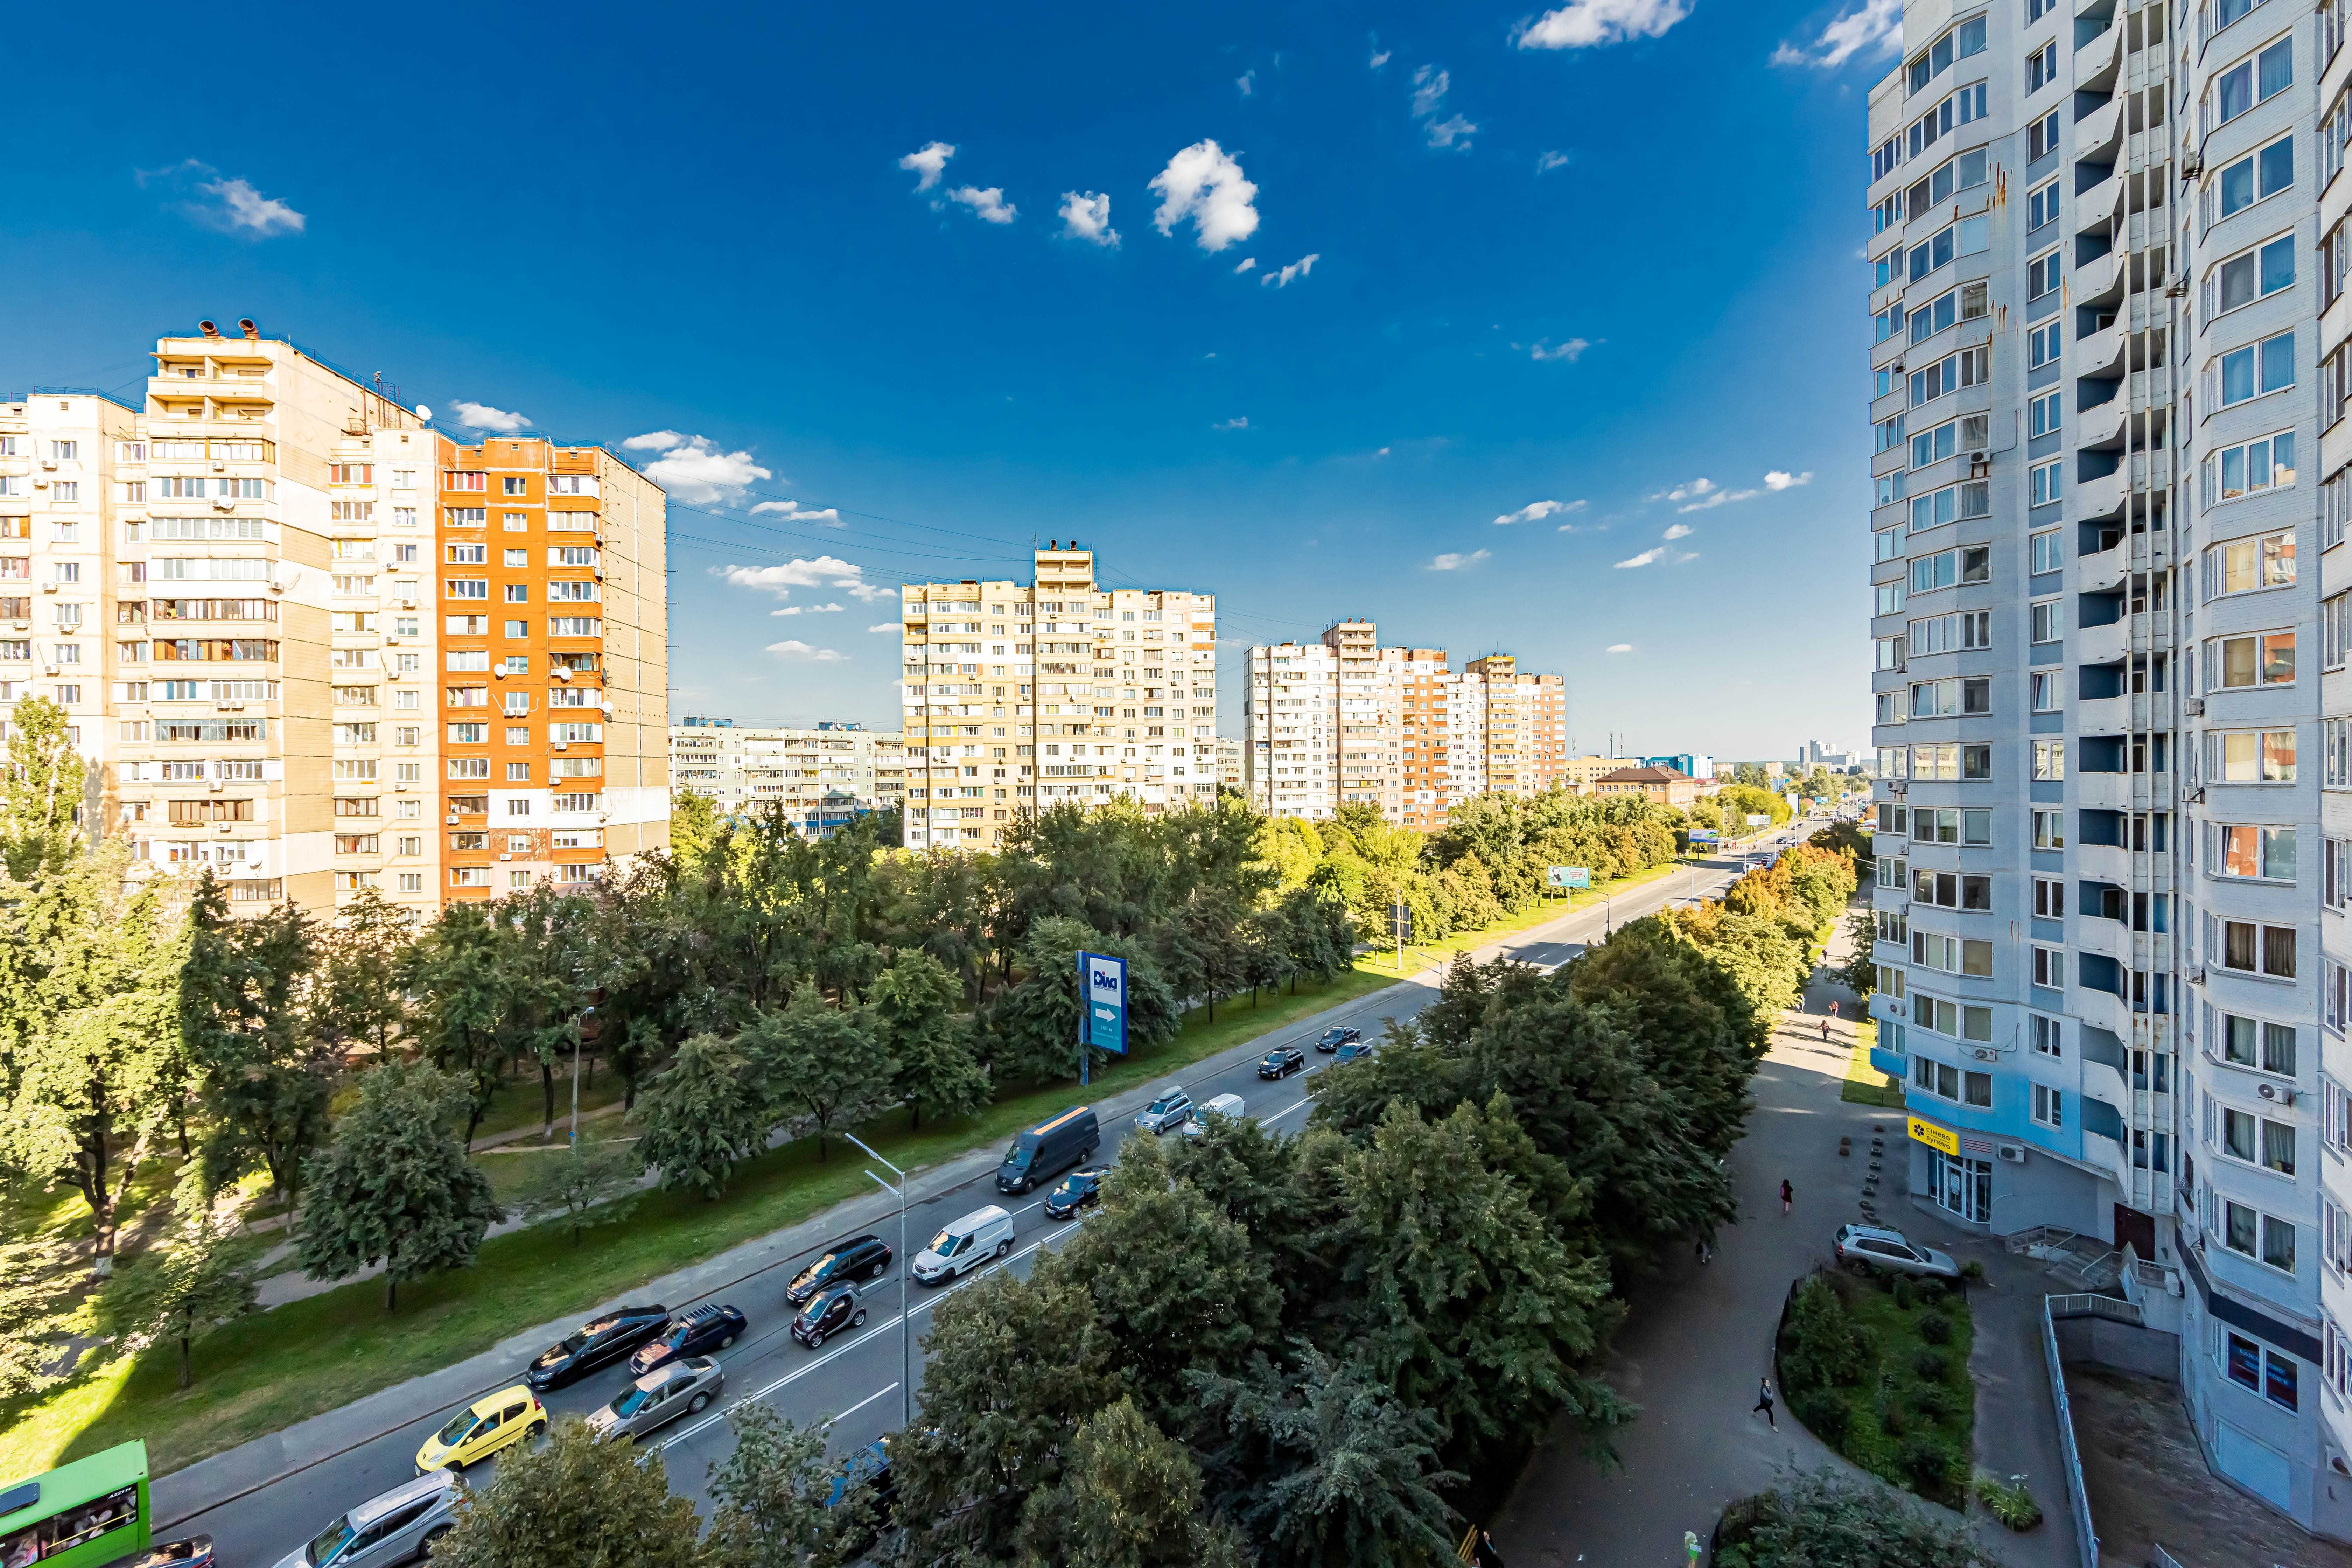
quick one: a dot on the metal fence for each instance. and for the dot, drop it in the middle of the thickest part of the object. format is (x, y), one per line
(2160, 1558)
(2078, 1501)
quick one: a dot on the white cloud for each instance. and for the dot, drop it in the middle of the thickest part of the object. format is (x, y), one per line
(1620, 647)
(1299, 269)
(1695, 487)
(1874, 25)
(1778, 481)
(867, 591)
(989, 205)
(1246, 263)
(1457, 562)
(1086, 214)
(1205, 184)
(793, 512)
(1430, 85)
(793, 648)
(1679, 530)
(482, 416)
(1644, 559)
(1551, 161)
(1582, 24)
(244, 210)
(1536, 510)
(807, 610)
(886, 627)
(1247, 82)
(1570, 351)
(928, 162)
(799, 573)
(694, 470)
(1715, 498)
(1379, 58)
(1454, 131)
(1238, 422)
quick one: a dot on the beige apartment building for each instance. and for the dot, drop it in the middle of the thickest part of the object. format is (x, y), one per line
(1019, 697)
(232, 591)
(823, 777)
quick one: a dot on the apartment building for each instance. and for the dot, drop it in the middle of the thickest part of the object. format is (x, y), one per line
(1581, 773)
(2106, 263)
(555, 668)
(1228, 752)
(1290, 761)
(824, 778)
(1527, 724)
(257, 541)
(1021, 697)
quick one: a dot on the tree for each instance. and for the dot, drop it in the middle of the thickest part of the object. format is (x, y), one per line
(584, 1180)
(1859, 972)
(395, 1187)
(1032, 1028)
(191, 1281)
(1822, 1520)
(771, 1498)
(693, 824)
(457, 969)
(1128, 1498)
(41, 792)
(39, 1316)
(703, 1115)
(357, 993)
(818, 1059)
(577, 1502)
(933, 1066)
(246, 1028)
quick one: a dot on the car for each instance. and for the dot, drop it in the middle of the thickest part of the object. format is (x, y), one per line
(599, 1342)
(493, 1422)
(698, 1333)
(1336, 1036)
(859, 1258)
(963, 1245)
(685, 1386)
(1050, 1147)
(188, 1552)
(1281, 1062)
(1079, 1189)
(831, 1310)
(1215, 1105)
(1872, 1246)
(391, 1527)
(1170, 1108)
(866, 1476)
(1354, 1050)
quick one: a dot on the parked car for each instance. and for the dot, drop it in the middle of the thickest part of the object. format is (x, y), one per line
(1079, 1189)
(493, 1422)
(859, 1258)
(1048, 1149)
(867, 1471)
(188, 1552)
(1215, 1105)
(698, 1333)
(1170, 1108)
(391, 1527)
(599, 1342)
(1351, 1051)
(1870, 1246)
(965, 1244)
(831, 1310)
(1281, 1062)
(1336, 1036)
(683, 1387)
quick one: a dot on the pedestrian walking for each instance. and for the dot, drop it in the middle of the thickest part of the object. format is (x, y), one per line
(1764, 1402)
(1825, 1031)
(1834, 1009)
(1787, 1195)
(1482, 1554)
(1704, 1251)
(1691, 1546)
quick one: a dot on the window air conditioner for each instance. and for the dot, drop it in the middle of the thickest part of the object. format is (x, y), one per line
(224, 504)
(505, 855)
(2193, 705)
(453, 819)
(2013, 1152)
(220, 468)
(2277, 1093)
(48, 588)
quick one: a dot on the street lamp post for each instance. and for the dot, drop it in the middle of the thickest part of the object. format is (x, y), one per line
(579, 1028)
(906, 1266)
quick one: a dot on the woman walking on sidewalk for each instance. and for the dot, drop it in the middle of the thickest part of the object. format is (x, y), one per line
(1764, 1402)
(1787, 1195)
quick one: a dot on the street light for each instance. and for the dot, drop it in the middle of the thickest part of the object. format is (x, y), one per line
(906, 1266)
(579, 1028)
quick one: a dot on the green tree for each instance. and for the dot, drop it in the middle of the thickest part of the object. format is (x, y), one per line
(459, 970)
(1128, 1498)
(577, 1503)
(589, 1182)
(704, 1114)
(770, 1497)
(817, 1061)
(933, 1066)
(41, 792)
(693, 824)
(1822, 1520)
(357, 994)
(246, 1029)
(181, 1288)
(1031, 1029)
(1859, 972)
(395, 1187)
(40, 1315)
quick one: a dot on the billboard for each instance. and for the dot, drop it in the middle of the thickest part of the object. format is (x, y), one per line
(1568, 877)
(1103, 979)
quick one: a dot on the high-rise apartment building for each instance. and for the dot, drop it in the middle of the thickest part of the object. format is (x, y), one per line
(1021, 697)
(231, 589)
(1348, 721)
(824, 778)
(2107, 382)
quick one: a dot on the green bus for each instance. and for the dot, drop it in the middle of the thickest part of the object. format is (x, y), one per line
(79, 1515)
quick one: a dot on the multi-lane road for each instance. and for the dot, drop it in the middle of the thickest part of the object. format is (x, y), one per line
(856, 1381)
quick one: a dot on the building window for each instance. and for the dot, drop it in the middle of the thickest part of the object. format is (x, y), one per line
(2263, 1370)
(2049, 1106)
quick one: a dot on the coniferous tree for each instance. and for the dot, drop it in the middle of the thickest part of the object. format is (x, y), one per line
(1128, 1498)
(703, 1115)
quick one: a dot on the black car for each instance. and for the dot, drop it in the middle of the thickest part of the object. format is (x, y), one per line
(1336, 1036)
(698, 1332)
(859, 1257)
(190, 1552)
(598, 1342)
(1075, 1192)
(831, 1310)
(1281, 1062)
(1354, 1050)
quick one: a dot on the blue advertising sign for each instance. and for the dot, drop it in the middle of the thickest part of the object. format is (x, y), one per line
(1104, 981)
(1568, 875)
(1699, 836)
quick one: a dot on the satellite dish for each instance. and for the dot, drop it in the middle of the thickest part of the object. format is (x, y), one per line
(423, 412)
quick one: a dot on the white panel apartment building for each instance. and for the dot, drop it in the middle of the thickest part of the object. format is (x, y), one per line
(1021, 697)
(823, 776)
(2110, 369)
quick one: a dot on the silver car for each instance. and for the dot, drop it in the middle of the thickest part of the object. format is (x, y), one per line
(393, 1527)
(684, 1387)
(1873, 1246)
(1170, 1108)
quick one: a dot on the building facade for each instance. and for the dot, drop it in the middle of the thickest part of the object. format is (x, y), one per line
(1020, 697)
(823, 778)
(2106, 263)
(1665, 785)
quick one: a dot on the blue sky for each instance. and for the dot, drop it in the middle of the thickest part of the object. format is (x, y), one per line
(1380, 279)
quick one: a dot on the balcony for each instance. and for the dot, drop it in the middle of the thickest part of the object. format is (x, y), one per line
(2096, 209)
(2100, 281)
(2113, 864)
(2103, 569)
(2115, 715)
(2101, 353)
(2109, 1012)
(2124, 792)
(2103, 498)
(2096, 62)
(2101, 428)
(2102, 645)
(2100, 133)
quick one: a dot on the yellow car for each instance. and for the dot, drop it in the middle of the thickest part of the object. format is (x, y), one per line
(491, 1423)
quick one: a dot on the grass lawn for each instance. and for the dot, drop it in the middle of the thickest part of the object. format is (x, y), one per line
(1864, 1084)
(1904, 1405)
(1420, 955)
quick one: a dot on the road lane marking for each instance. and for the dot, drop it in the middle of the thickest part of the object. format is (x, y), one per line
(842, 1415)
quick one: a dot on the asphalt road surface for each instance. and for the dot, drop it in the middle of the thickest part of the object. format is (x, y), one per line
(855, 1380)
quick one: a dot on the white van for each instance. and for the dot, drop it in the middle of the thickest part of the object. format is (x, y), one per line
(1218, 1104)
(964, 1245)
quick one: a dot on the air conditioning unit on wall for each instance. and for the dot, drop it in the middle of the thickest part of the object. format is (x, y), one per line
(2014, 1153)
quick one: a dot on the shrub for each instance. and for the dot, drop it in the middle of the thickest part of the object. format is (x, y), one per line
(1894, 1415)
(1928, 1461)
(2007, 1501)
(1820, 1518)
(1934, 1401)
(1824, 1415)
(1935, 1328)
(1900, 1284)
(1821, 1344)
(1931, 1291)
(1931, 1366)
(1973, 1269)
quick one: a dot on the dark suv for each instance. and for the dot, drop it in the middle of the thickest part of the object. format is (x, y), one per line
(598, 1342)
(698, 1332)
(1336, 1036)
(859, 1257)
